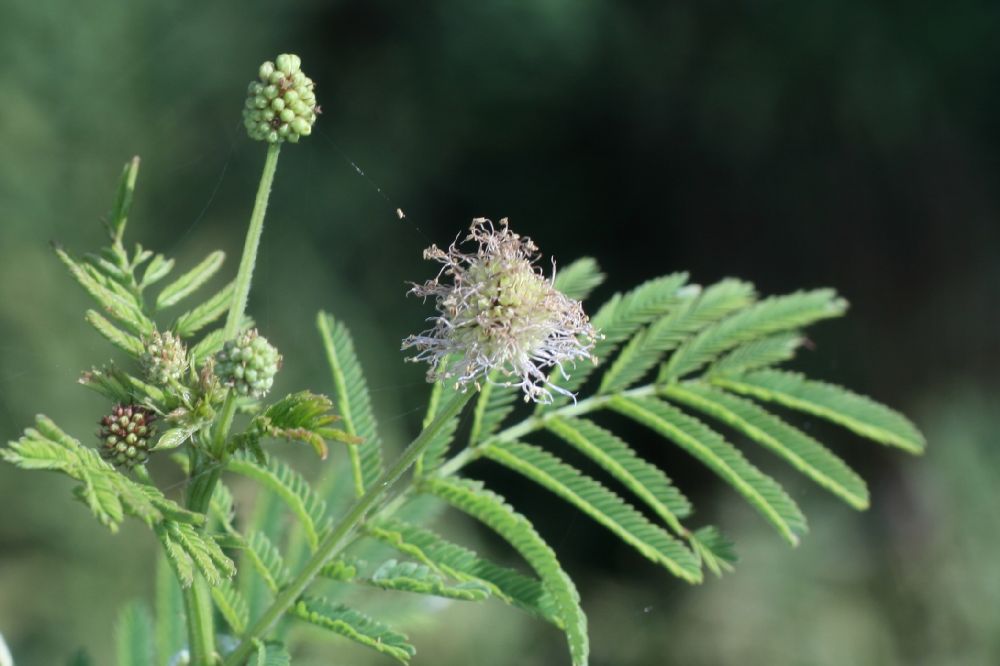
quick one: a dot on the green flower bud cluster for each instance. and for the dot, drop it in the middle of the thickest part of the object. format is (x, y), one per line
(281, 105)
(126, 434)
(164, 359)
(248, 364)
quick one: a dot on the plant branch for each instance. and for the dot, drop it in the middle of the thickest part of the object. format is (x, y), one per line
(338, 537)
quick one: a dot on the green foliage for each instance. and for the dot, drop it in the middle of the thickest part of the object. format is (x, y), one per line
(491, 510)
(354, 625)
(353, 400)
(303, 416)
(291, 488)
(647, 481)
(232, 607)
(721, 457)
(437, 449)
(418, 578)
(266, 559)
(460, 563)
(599, 503)
(107, 493)
(834, 403)
(579, 278)
(189, 550)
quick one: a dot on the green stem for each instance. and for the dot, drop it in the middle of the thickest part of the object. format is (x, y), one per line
(338, 537)
(243, 277)
(200, 626)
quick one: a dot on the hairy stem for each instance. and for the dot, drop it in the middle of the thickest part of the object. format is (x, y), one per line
(339, 536)
(201, 629)
(243, 277)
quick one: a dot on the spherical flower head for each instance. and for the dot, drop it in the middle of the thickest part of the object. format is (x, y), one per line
(281, 104)
(499, 318)
(164, 358)
(126, 435)
(248, 364)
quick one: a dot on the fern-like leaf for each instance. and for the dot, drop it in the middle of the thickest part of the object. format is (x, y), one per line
(460, 563)
(696, 309)
(271, 654)
(579, 278)
(715, 550)
(647, 481)
(354, 625)
(353, 400)
(599, 503)
(855, 412)
(494, 404)
(119, 338)
(190, 282)
(802, 451)
(720, 456)
(490, 509)
(266, 559)
(204, 314)
(419, 578)
(437, 449)
(291, 487)
(188, 550)
(760, 353)
(771, 315)
(134, 635)
(619, 319)
(232, 606)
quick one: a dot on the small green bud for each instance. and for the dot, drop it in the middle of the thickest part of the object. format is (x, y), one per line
(126, 435)
(288, 96)
(248, 364)
(164, 359)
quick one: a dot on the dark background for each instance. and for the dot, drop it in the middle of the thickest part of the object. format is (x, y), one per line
(850, 144)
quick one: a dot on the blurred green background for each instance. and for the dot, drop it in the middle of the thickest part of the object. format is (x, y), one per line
(851, 144)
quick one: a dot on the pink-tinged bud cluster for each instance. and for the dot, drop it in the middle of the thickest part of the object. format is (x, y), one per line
(126, 435)
(499, 318)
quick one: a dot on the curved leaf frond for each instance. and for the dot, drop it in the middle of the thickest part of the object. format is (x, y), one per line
(720, 456)
(266, 559)
(771, 315)
(420, 579)
(644, 479)
(579, 278)
(291, 487)
(855, 412)
(698, 309)
(618, 319)
(353, 400)
(354, 625)
(490, 509)
(462, 564)
(232, 607)
(191, 281)
(805, 453)
(599, 503)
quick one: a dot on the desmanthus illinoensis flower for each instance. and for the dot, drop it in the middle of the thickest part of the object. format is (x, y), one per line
(499, 318)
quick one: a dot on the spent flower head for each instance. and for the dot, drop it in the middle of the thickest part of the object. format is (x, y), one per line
(281, 104)
(499, 318)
